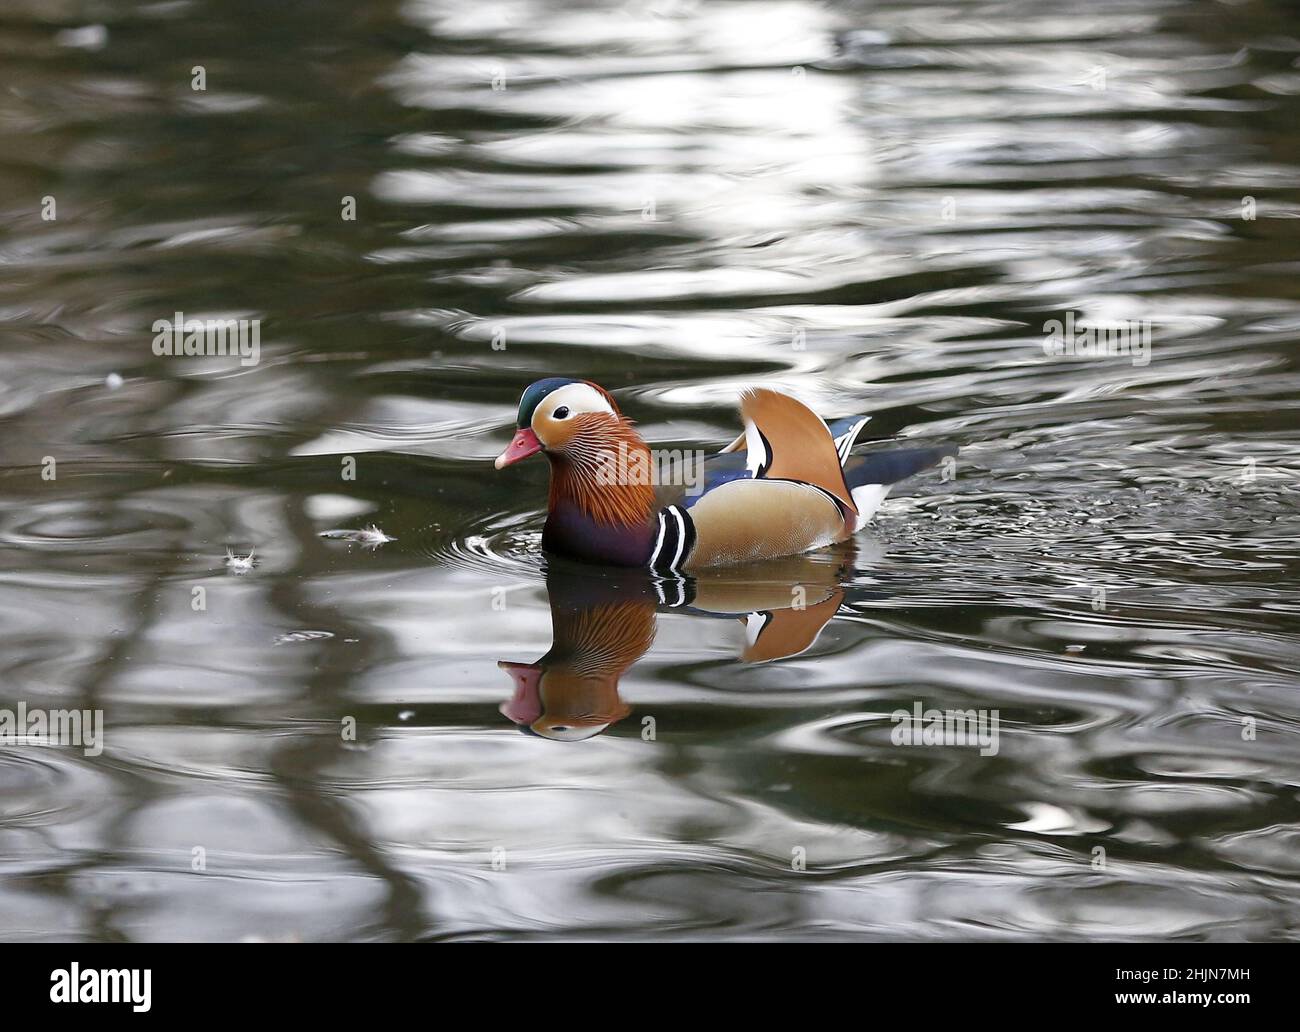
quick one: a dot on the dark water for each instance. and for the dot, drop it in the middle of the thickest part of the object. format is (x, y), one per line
(875, 206)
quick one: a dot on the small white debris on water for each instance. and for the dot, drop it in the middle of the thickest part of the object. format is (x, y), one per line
(367, 537)
(1046, 819)
(406, 714)
(297, 636)
(240, 563)
(113, 381)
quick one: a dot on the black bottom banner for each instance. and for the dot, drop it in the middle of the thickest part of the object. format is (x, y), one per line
(217, 981)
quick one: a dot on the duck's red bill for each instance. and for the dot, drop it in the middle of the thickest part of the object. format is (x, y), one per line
(524, 444)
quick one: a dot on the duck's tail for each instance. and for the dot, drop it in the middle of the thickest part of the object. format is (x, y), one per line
(804, 453)
(871, 476)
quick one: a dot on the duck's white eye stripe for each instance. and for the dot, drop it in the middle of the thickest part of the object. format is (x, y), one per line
(576, 398)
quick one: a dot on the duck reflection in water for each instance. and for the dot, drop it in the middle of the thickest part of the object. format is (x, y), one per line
(603, 621)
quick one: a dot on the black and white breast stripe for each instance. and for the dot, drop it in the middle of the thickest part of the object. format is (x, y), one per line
(675, 541)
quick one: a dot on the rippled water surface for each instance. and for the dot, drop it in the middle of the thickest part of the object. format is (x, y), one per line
(874, 206)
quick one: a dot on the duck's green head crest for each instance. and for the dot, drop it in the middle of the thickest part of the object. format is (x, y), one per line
(533, 395)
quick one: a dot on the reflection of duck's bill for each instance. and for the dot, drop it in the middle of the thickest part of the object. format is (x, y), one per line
(787, 632)
(525, 706)
(586, 705)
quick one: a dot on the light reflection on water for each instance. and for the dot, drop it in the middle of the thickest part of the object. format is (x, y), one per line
(877, 207)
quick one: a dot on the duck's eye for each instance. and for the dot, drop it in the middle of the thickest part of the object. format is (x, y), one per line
(561, 413)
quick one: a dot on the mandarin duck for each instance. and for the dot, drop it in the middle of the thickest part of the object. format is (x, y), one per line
(795, 487)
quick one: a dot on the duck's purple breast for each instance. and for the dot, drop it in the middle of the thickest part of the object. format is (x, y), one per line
(571, 531)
